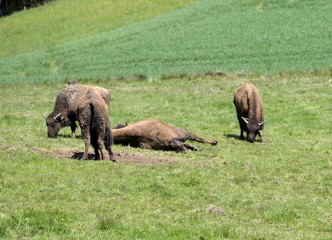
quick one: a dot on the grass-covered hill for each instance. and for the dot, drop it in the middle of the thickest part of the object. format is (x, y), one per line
(253, 36)
(63, 21)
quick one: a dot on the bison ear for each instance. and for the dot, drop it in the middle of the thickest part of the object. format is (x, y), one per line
(246, 120)
(260, 124)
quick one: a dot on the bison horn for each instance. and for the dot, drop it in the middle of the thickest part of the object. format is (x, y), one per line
(260, 124)
(245, 120)
(55, 118)
(44, 116)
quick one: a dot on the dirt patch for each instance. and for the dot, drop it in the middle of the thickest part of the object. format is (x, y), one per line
(121, 156)
(216, 210)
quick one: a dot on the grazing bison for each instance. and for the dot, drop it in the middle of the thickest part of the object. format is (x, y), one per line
(157, 135)
(249, 109)
(92, 116)
(65, 109)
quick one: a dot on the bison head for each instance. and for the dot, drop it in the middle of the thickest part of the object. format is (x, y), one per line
(53, 125)
(253, 128)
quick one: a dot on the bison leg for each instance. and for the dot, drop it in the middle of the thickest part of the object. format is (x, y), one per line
(108, 142)
(98, 153)
(241, 134)
(190, 147)
(86, 139)
(98, 147)
(242, 127)
(108, 146)
(180, 146)
(86, 149)
(199, 139)
(85, 128)
(110, 152)
(73, 127)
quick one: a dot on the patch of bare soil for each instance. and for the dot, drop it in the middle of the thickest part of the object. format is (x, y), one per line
(121, 156)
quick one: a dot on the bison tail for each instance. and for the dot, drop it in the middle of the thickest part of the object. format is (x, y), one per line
(108, 138)
(94, 117)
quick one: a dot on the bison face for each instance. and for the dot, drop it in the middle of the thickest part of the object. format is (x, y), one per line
(253, 128)
(53, 125)
(252, 133)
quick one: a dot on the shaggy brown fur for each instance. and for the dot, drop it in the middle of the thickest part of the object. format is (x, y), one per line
(92, 115)
(249, 109)
(65, 109)
(157, 135)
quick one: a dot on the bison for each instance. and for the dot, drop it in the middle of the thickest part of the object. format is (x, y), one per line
(157, 135)
(249, 109)
(92, 116)
(65, 109)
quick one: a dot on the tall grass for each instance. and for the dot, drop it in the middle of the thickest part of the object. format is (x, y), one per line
(266, 37)
(235, 190)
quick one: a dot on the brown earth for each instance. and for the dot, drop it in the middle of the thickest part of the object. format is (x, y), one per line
(121, 156)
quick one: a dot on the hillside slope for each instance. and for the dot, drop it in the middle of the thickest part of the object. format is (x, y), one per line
(68, 20)
(268, 37)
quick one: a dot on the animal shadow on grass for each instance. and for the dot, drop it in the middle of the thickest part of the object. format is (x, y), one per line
(233, 136)
(79, 155)
(237, 137)
(68, 136)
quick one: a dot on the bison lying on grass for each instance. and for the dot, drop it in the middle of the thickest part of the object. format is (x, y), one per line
(249, 109)
(157, 135)
(65, 109)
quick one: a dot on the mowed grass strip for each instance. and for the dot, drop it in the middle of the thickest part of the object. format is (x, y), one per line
(63, 21)
(235, 190)
(234, 36)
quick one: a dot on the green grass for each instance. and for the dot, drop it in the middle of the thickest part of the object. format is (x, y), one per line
(64, 21)
(235, 190)
(265, 37)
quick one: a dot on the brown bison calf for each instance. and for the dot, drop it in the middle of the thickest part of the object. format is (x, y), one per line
(157, 135)
(92, 116)
(65, 109)
(249, 109)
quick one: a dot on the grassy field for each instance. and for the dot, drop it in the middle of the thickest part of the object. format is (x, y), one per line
(266, 37)
(235, 190)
